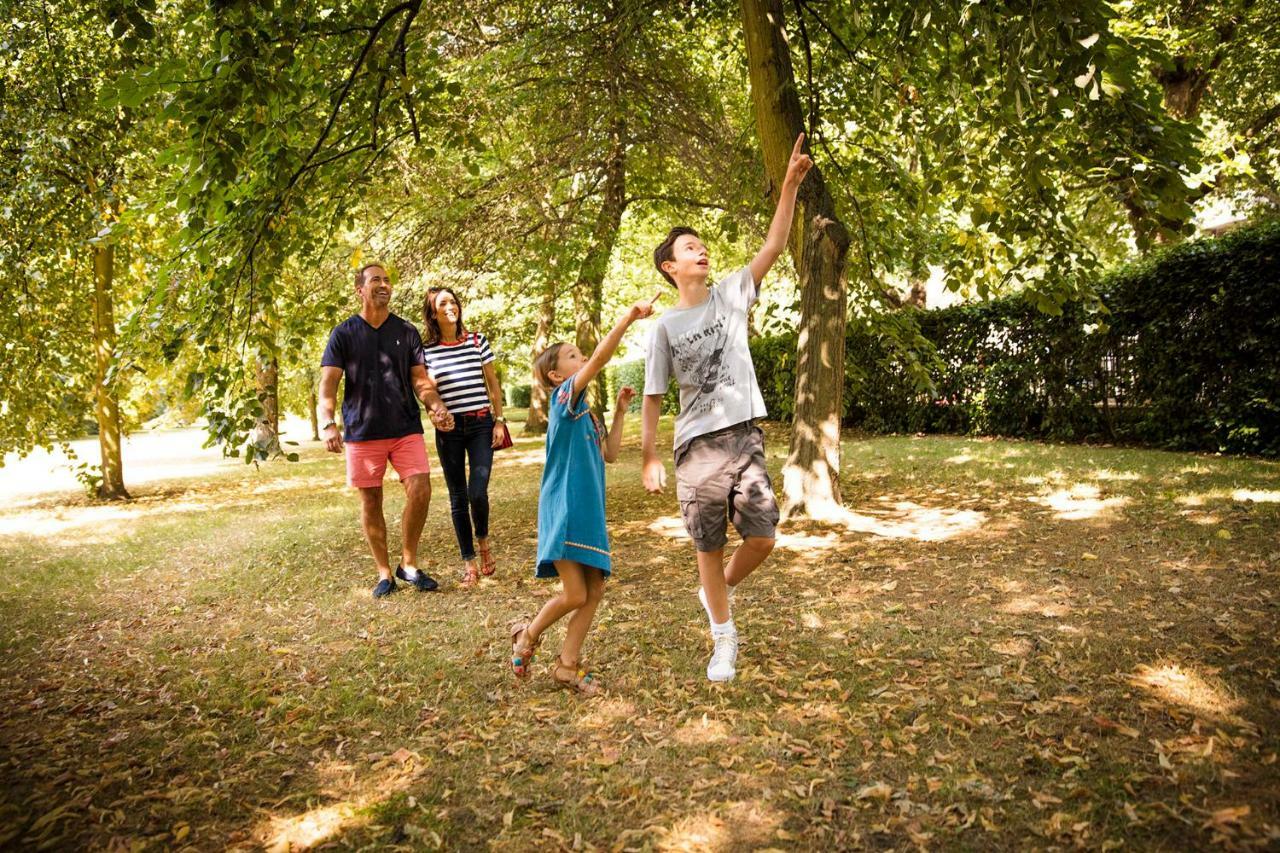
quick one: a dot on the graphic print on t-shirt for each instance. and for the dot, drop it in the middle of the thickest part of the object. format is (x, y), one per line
(700, 354)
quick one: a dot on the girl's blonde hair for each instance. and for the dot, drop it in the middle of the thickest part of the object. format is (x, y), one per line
(546, 362)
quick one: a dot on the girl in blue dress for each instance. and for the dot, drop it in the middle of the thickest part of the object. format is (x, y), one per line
(573, 542)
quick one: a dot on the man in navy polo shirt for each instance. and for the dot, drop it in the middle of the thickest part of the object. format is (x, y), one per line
(380, 356)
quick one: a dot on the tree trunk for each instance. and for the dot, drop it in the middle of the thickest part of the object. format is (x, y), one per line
(588, 290)
(312, 403)
(536, 422)
(266, 433)
(106, 398)
(1184, 87)
(819, 245)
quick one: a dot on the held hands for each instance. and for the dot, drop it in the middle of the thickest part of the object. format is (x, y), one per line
(799, 164)
(643, 308)
(441, 418)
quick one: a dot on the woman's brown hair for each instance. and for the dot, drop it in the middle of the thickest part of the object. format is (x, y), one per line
(430, 325)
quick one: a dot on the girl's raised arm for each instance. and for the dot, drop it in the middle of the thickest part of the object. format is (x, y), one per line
(606, 348)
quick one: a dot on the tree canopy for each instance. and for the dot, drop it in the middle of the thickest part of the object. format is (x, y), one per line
(241, 158)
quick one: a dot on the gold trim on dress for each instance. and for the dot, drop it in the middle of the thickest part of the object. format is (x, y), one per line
(588, 548)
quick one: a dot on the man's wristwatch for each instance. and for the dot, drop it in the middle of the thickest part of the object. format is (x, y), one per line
(500, 419)
(329, 424)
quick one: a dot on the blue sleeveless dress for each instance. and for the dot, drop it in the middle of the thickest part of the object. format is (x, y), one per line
(571, 523)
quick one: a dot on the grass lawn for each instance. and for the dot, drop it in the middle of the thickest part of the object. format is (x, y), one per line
(1011, 645)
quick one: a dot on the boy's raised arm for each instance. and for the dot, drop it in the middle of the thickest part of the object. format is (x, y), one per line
(606, 348)
(776, 241)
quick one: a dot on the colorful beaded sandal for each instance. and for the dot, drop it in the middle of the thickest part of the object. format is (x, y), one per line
(579, 680)
(521, 656)
(487, 564)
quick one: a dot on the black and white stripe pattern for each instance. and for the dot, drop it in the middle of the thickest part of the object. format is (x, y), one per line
(457, 369)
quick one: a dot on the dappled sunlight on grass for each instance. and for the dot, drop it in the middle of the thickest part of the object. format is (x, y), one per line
(360, 795)
(310, 485)
(1106, 474)
(309, 829)
(910, 520)
(1185, 686)
(696, 834)
(1206, 519)
(608, 712)
(525, 452)
(1245, 496)
(701, 731)
(1080, 502)
(670, 526)
(749, 824)
(1013, 647)
(110, 522)
(1024, 605)
(1256, 495)
(808, 544)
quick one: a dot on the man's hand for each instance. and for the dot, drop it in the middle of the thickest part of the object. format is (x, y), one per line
(625, 395)
(643, 308)
(441, 418)
(332, 438)
(799, 164)
(654, 475)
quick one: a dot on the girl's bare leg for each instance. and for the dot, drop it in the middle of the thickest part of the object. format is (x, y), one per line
(580, 622)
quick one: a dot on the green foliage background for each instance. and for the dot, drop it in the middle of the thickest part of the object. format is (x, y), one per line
(1182, 353)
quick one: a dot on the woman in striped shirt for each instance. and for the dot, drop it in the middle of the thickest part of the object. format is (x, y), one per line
(461, 364)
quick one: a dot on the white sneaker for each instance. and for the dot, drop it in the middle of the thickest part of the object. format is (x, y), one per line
(702, 597)
(724, 658)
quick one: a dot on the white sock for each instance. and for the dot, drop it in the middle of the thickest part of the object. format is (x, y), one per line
(718, 628)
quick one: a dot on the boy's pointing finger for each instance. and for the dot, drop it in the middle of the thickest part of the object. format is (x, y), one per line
(795, 151)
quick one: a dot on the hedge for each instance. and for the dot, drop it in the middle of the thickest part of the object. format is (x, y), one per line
(1187, 359)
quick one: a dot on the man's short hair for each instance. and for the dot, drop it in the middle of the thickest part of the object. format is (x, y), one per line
(546, 362)
(360, 272)
(666, 249)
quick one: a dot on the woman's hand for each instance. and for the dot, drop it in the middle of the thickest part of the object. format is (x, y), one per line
(500, 434)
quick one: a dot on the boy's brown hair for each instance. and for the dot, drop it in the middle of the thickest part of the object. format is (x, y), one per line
(545, 363)
(666, 249)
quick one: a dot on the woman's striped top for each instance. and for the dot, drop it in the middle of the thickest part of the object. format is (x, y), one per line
(457, 371)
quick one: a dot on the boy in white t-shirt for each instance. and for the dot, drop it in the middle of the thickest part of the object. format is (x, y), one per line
(719, 451)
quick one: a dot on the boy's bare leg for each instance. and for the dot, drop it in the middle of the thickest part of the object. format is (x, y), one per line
(580, 622)
(711, 572)
(746, 559)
